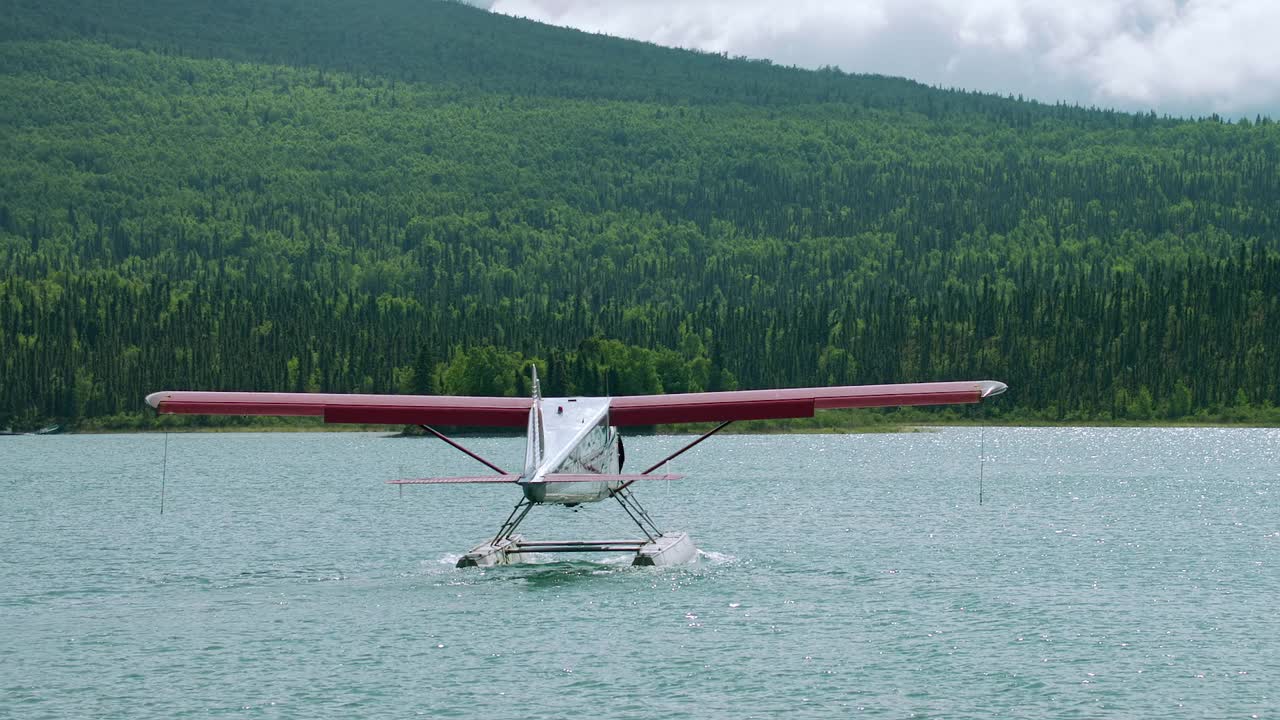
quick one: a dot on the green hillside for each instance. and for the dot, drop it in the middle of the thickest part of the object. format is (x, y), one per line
(419, 196)
(451, 44)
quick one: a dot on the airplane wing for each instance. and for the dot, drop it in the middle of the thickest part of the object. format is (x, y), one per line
(790, 402)
(623, 411)
(339, 408)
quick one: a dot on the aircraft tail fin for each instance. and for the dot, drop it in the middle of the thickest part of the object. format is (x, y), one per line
(535, 444)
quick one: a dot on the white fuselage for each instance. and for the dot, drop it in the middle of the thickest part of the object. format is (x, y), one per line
(570, 436)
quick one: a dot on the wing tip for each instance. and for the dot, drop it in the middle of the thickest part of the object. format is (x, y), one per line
(989, 388)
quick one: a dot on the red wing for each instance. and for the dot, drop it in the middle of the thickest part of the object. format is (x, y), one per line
(626, 410)
(789, 403)
(334, 408)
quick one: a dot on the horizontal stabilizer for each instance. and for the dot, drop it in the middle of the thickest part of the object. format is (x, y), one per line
(453, 480)
(585, 477)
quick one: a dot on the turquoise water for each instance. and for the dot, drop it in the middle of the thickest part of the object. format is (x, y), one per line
(1108, 573)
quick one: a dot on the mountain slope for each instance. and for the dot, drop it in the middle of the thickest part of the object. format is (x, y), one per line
(206, 218)
(455, 44)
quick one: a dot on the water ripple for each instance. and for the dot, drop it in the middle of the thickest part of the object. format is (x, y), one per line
(1109, 572)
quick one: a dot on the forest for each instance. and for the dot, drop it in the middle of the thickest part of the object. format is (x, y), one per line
(423, 197)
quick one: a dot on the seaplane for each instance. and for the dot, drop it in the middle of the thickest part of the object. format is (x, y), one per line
(574, 453)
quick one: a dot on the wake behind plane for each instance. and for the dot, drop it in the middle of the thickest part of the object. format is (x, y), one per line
(573, 451)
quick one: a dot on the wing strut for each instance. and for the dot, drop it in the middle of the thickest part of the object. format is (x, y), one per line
(443, 437)
(678, 453)
(682, 450)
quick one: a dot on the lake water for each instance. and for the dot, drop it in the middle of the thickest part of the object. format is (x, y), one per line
(1108, 573)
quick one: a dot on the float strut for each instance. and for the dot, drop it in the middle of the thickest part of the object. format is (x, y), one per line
(637, 513)
(513, 521)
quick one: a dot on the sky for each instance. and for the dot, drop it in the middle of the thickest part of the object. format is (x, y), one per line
(1176, 57)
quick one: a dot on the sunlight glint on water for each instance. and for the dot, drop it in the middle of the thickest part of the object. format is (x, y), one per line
(1109, 573)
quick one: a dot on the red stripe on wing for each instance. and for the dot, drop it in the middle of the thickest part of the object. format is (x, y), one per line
(336, 408)
(695, 407)
(789, 403)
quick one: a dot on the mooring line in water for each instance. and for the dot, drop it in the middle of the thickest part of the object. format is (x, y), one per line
(164, 470)
(982, 455)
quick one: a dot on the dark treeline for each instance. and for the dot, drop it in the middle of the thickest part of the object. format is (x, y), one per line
(190, 206)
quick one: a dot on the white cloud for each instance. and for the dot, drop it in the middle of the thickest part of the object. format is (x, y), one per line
(1174, 56)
